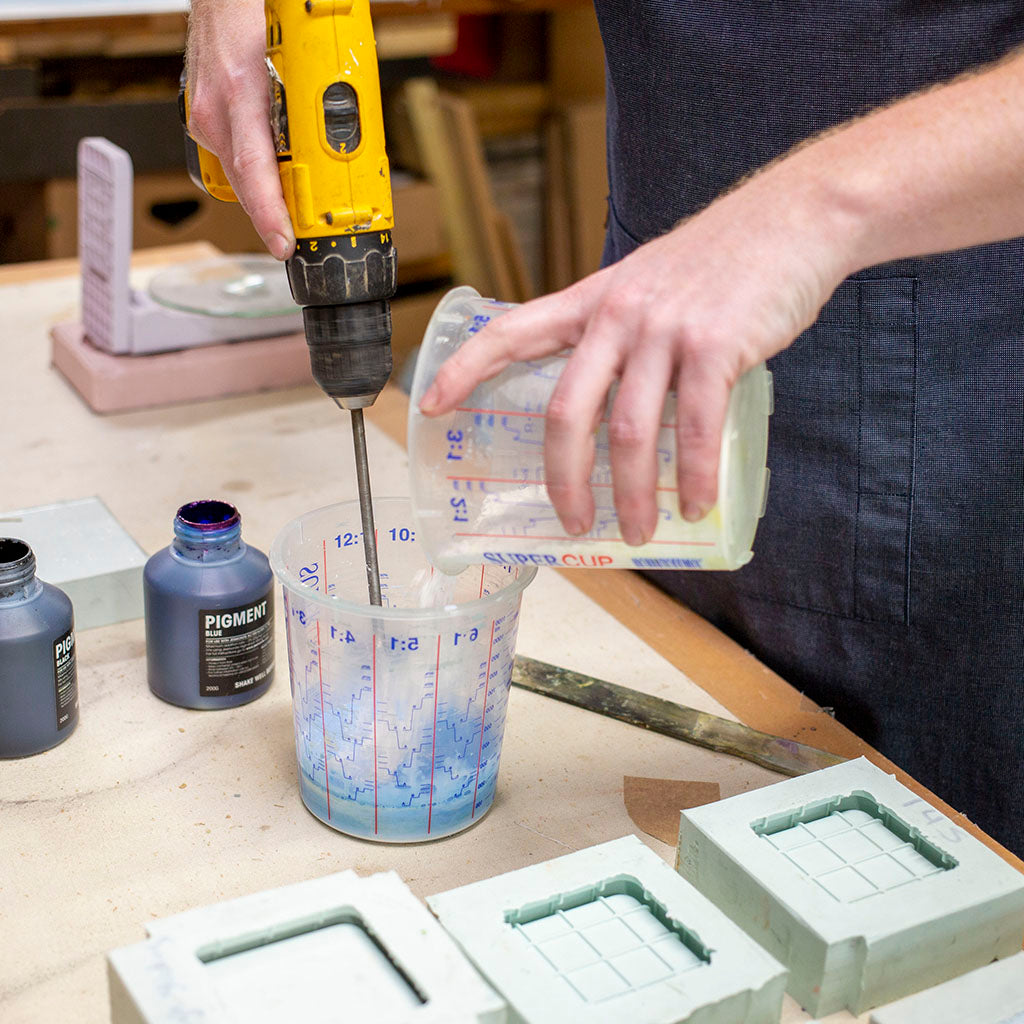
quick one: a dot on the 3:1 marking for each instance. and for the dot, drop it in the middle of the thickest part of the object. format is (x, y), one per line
(454, 445)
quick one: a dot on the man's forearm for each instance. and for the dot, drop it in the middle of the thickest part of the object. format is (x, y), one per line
(937, 171)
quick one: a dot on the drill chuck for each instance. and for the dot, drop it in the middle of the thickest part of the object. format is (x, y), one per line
(350, 350)
(344, 282)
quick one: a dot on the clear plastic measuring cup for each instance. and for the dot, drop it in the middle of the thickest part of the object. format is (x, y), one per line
(399, 710)
(477, 474)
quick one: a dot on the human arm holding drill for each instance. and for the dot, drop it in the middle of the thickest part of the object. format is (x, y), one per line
(694, 309)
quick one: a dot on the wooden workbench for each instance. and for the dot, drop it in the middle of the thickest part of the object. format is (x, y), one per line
(150, 809)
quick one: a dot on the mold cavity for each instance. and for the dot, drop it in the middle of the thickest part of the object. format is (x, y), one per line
(852, 846)
(608, 939)
(291, 972)
(12, 550)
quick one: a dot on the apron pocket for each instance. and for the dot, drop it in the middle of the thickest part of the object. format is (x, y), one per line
(836, 534)
(619, 241)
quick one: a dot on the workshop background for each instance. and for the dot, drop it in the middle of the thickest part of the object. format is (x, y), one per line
(494, 116)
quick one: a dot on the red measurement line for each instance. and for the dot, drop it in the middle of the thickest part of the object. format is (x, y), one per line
(483, 718)
(323, 718)
(592, 540)
(534, 415)
(374, 733)
(482, 567)
(433, 741)
(501, 412)
(512, 480)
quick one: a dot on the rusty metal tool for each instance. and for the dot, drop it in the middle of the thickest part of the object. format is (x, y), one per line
(670, 719)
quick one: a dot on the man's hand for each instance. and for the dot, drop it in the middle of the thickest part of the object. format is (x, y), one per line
(735, 284)
(690, 312)
(229, 109)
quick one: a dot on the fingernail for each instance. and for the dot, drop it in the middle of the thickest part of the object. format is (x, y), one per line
(692, 512)
(633, 536)
(429, 400)
(279, 246)
(574, 527)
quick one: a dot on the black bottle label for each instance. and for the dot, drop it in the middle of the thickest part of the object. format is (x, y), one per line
(65, 679)
(236, 647)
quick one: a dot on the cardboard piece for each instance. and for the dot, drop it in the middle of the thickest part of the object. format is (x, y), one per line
(576, 194)
(654, 804)
(168, 209)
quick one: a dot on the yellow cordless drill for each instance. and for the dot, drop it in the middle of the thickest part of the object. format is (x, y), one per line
(328, 129)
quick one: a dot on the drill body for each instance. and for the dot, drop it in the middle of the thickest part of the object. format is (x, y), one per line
(328, 130)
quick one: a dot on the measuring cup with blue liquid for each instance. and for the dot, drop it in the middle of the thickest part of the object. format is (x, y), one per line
(477, 474)
(399, 710)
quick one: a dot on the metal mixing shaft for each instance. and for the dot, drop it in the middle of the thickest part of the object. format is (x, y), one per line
(350, 356)
(366, 506)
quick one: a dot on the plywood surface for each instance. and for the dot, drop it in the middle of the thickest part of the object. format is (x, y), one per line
(150, 809)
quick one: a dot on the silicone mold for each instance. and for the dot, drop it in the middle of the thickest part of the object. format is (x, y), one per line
(862, 889)
(609, 934)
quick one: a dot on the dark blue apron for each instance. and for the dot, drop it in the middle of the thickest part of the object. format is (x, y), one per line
(888, 575)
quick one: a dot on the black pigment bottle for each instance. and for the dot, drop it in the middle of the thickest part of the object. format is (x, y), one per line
(209, 612)
(38, 675)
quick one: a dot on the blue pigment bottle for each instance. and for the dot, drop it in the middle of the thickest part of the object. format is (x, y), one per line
(209, 612)
(38, 673)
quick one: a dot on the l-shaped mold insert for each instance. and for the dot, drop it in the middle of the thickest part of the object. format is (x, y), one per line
(610, 934)
(865, 891)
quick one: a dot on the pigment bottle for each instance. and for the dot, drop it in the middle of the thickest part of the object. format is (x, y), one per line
(209, 612)
(38, 674)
